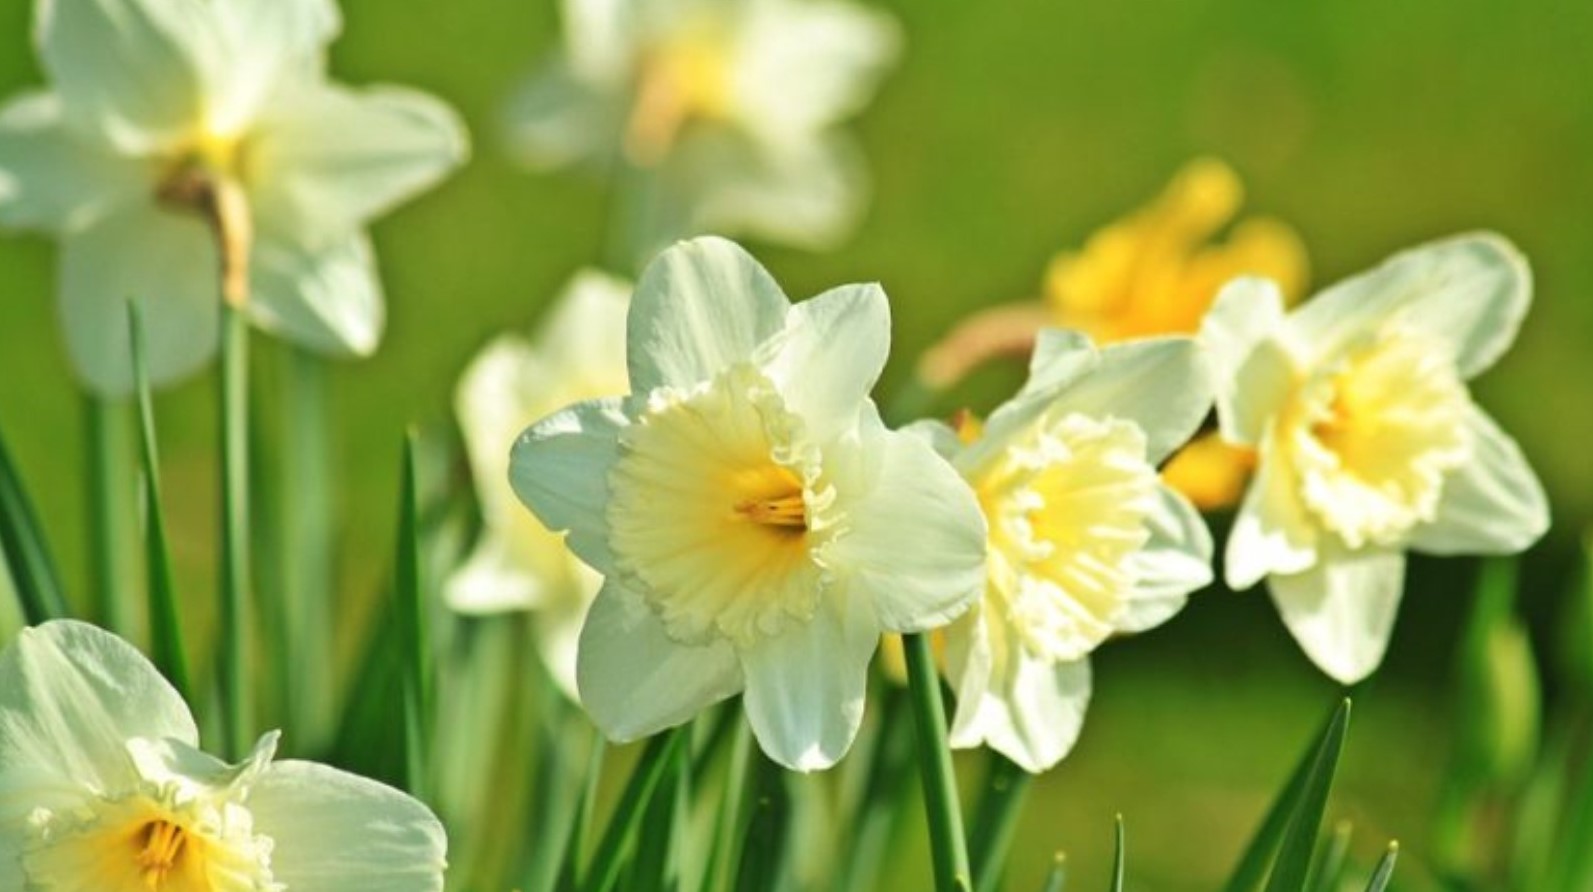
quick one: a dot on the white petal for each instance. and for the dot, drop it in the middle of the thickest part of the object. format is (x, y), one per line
(125, 70)
(558, 631)
(583, 337)
(327, 299)
(635, 680)
(1026, 709)
(258, 48)
(699, 307)
(497, 395)
(54, 178)
(327, 160)
(559, 468)
(494, 579)
(915, 540)
(805, 686)
(1272, 532)
(1342, 610)
(1061, 359)
(1175, 562)
(1249, 368)
(1492, 505)
(829, 356)
(1470, 291)
(557, 120)
(1163, 385)
(72, 695)
(335, 832)
(938, 435)
(164, 260)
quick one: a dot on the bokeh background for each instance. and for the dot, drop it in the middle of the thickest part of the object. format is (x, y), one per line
(1009, 132)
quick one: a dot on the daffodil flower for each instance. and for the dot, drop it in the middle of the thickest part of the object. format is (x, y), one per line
(731, 106)
(1086, 542)
(1368, 441)
(756, 525)
(105, 789)
(519, 564)
(149, 94)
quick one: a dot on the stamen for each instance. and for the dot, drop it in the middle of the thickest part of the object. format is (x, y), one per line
(784, 511)
(163, 845)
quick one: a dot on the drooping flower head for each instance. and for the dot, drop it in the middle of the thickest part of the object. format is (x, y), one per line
(106, 790)
(519, 564)
(1086, 542)
(756, 525)
(147, 95)
(731, 105)
(1369, 443)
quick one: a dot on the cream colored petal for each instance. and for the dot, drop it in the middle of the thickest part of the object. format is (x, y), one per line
(54, 178)
(583, 339)
(1160, 384)
(1342, 610)
(558, 632)
(1272, 532)
(328, 300)
(164, 260)
(559, 468)
(258, 48)
(71, 696)
(336, 832)
(700, 306)
(1175, 562)
(1061, 359)
(805, 686)
(829, 356)
(1250, 368)
(1469, 291)
(914, 546)
(634, 680)
(1494, 504)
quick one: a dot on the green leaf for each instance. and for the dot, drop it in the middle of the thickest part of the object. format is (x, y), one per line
(581, 822)
(1057, 876)
(1118, 857)
(730, 822)
(165, 631)
(232, 652)
(763, 845)
(876, 811)
(644, 782)
(993, 826)
(1385, 869)
(1328, 869)
(27, 555)
(414, 645)
(1305, 814)
(655, 866)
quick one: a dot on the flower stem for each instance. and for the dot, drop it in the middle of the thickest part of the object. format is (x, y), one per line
(306, 603)
(997, 818)
(234, 648)
(947, 842)
(412, 629)
(110, 512)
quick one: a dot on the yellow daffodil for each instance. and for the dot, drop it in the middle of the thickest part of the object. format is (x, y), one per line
(147, 96)
(731, 105)
(1367, 440)
(756, 525)
(519, 564)
(105, 790)
(1085, 541)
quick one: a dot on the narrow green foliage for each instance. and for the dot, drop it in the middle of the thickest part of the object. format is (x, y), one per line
(889, 770)
(308, 535)
(165, 631)
(27, 556)
(581, 822)
(1385, 869)
(946, 838)
(1573, 855)
(609, 858)
(1057, 876)
(1327, 870)
(1253, 864)
(414, 645)
(768, 828)
(659, 839)
(1006, 789)
(111, 547)
(1305, 814)
(233, 650)
(730, 821)
(1118, 857)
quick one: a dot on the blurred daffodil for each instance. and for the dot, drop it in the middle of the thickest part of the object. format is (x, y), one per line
(519, 564)
(1367, 438)
(731, 108)
(106, 790)
(153, 103)
(1154, 272)
(1085, 541)
(756, 525)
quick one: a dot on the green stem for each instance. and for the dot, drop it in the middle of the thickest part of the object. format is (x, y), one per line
(412, 627)
(110, 512)
(233, 655)
(997, 819)
(947, 843)
(306, 604)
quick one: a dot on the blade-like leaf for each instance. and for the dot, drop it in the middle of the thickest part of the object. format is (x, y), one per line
(1385, 869)
(1118, 857)
(416, 658)
(1057, 876)
(996, 820)
(1305, 817)
(27, 556)
(645, 778)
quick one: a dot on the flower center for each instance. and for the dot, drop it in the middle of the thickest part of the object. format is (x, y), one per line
(202, 160)
(1372, 437)
(1067, 510)
(718, 512)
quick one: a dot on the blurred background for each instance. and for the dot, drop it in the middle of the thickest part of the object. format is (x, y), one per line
(1009, 132)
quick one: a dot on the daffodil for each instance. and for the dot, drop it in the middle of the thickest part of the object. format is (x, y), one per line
(519, 564)
(756, 525)
(1086, 542)
(730, 107)
(149, 97)
(106, 790)
(1368, 441)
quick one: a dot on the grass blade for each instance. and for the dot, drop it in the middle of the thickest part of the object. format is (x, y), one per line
(996, 820)
(1057, 876)
(165, 632)
(639, 790)
(414, 647)
(1118, 857)
(768, 828)
(33, 573)
(113, 556)
(233, 650)
(1327, 871)
(1289, 871)
(581, 823)
(1385, 869)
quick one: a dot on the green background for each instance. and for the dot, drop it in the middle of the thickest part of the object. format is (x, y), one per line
(1010, 131)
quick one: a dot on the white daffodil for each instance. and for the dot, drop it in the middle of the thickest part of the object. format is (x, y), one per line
(1086, 541)
(148, 94)
(105, 790)
(519, 564)
(732, 105)
(756, 525)
(1369, 443)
